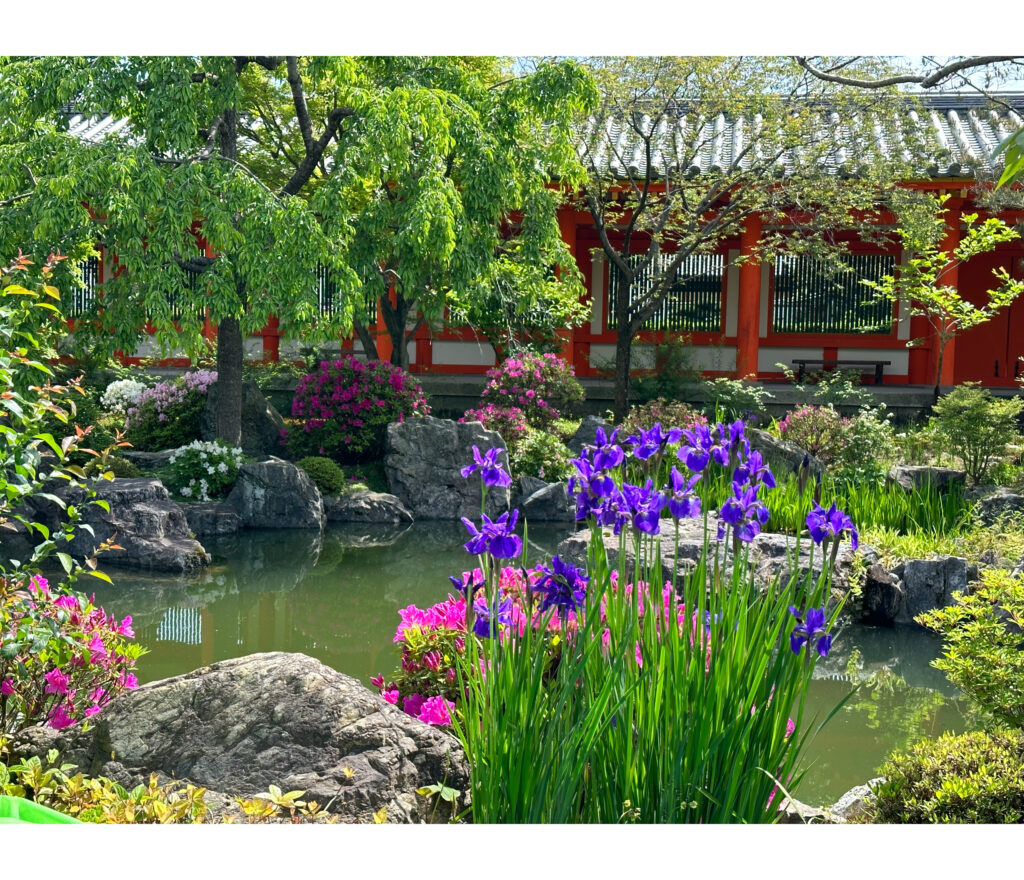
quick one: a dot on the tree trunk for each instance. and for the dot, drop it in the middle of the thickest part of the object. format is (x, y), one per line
(396, 317)
(229, 381)
(366, 340)
(623, 350)
(230, 353)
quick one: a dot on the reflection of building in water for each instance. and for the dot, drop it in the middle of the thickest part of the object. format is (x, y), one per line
(183, 625)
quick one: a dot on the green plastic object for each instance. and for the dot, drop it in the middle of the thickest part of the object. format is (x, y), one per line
(18, 811)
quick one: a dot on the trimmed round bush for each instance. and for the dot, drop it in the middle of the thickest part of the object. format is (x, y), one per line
(119, 467)
(329, 478)
(541, 385)
(667, 413)
(971, 778)
(342, 410)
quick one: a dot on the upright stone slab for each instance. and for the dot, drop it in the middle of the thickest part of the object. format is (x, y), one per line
(782, 456)
(275, 494)
(586, 434)
(917, 477)
(261, 423)
(424, 460)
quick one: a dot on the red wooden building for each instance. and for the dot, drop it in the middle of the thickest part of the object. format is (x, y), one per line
(745, 320)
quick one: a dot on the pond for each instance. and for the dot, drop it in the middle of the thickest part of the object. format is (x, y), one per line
(335, 597)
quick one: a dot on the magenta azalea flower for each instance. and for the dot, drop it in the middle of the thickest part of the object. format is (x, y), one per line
(437, 711)
(56, 682)
(412, 704)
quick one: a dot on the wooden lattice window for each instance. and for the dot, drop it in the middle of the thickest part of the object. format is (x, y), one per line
(83, 298)
(329, 296)
(694, 302)
(815, 296)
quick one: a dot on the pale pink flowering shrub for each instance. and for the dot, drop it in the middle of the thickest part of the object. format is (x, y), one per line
(542, 386)
(167, 415)
(62, 659)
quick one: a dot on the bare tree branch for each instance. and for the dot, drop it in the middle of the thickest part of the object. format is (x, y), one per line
(299, 99)
(926, 81)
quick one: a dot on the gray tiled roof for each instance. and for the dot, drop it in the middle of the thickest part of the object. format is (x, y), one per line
(958, 132)
(961, 132)
(92, 129)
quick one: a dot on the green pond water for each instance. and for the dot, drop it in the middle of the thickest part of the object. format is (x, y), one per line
(335, 597)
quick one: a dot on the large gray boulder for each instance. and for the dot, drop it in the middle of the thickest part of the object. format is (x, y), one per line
(150, 530)
(424, 459)
(770, 553)
(856, 803)
(999, 505)
(929, 584)
(540, 501)
(365, 506)
(882, 596)
(782, 456)
(211, 518)
(275, 494)
(586, 434)
(261, 423)
(242, 725)
(915, 477)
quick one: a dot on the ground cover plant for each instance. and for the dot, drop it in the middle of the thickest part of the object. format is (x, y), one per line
(612, 694)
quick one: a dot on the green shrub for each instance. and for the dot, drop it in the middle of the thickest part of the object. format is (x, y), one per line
(114, 464)
(977, 427)
(540, 454)
(830, 387)
(674, 377)
(667, 413)
(203, 470)
(854, 448)
(329, 478)
(731, 399)
(982, 644)
(972, 778)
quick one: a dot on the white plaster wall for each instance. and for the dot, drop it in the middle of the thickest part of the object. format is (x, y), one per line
(769, 356)
(703, 357)
(463, 354)
(900, 358)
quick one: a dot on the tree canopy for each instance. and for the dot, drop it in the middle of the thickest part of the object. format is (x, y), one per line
(237, 179)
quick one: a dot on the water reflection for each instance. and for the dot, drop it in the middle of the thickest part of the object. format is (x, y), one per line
(335, 597)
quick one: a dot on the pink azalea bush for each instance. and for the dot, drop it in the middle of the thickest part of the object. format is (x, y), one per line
(167, 415)
(509, 421)
(62, 659)
(432, 638)
(818, 429)
(343, 408)
(540, 385)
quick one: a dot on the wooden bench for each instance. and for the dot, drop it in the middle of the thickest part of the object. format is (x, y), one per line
(827, 363)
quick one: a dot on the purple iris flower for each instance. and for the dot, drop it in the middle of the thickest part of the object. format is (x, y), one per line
(645, 506)
(485, 626)
(467, 582)
(607, 453)
(753, 470)
(497, 538)
(831, 523)
(683, 501)
(809, 630)
(744, 512)
(491, 470)
(591, 488)
(697, 453)
(563, 585)
(649, 443)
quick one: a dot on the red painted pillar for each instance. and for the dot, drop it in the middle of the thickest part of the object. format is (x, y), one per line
(383, 340)
(949, 278)
(748, 315)
(272, 340)
(567, 228)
